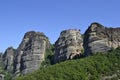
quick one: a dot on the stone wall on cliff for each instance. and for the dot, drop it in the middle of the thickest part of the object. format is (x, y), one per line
(98, 38)
(68, 45)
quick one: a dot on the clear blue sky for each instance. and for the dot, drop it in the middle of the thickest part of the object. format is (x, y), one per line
(52, 16)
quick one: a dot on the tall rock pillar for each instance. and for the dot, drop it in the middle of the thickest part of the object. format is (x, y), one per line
(98, 38)
(68, 46)
(31, 52)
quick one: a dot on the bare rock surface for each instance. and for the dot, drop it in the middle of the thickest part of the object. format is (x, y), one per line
(98, 38)
(68, 45)
(8, 59)
(31, 52)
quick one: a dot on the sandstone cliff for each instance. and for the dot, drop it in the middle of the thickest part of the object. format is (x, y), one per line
(1, 67)
(98, 38)
(68, 45)
(31, 52)
(1, 62)
(1, 54)
(1, 77)
(8, 59)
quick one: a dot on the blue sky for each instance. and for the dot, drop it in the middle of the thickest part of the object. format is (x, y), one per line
(52, 16)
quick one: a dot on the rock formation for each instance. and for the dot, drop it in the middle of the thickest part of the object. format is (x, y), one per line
(1, 54)
(31, 52)
(1, 63)
(98, 38)
(1, 77)
(68, 46)
(8, 58)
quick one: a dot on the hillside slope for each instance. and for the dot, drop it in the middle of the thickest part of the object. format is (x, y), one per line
(101, 66)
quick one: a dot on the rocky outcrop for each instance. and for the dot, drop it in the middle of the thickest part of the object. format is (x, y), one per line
(68, 46)
(1, 63)
(31, 52)
(1, 77)
(1, 54)
(8, 58)
(98, 38)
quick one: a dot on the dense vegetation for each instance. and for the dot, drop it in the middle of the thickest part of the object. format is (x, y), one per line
(95, 67)
(48, 57)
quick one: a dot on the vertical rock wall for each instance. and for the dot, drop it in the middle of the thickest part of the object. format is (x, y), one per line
(31, 52)
(68, 45)
(98, 38)
(1, 77)
(8, 59)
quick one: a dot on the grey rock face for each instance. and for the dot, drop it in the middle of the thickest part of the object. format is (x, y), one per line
(31, 52)
(8, 58)
(100, 39)
(68, 46)
(1, 77)
(1, 54)
(1, 62)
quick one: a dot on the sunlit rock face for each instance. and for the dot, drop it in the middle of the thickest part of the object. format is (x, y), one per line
(68, 45)
(31, 52)
(98, 38)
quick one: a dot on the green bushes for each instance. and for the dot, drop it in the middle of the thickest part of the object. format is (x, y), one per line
(93, 67)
